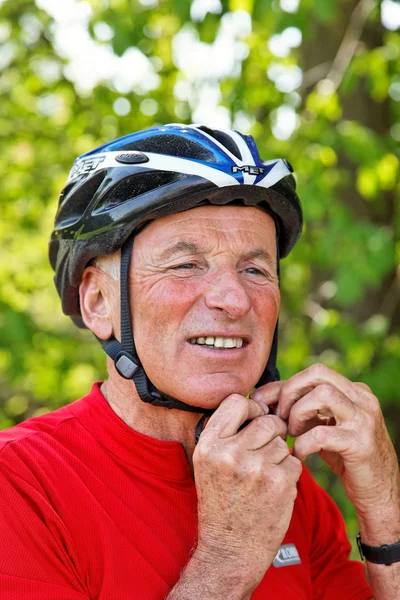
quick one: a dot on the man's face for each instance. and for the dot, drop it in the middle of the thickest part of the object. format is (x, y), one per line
(205, 275)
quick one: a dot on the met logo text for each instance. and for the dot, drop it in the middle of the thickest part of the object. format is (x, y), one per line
(250, 169)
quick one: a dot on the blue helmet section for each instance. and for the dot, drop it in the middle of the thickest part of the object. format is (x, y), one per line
(223, 161)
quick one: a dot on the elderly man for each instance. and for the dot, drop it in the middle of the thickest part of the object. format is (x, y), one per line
(166, 246)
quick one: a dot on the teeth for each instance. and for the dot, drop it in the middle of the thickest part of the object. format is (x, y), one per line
(230, 343)
(218, 342)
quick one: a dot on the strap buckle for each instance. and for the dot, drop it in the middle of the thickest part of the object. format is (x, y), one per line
(126, 365)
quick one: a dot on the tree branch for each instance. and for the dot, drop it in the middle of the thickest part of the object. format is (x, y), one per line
(315, 74)
(347, 48)
(392, 298)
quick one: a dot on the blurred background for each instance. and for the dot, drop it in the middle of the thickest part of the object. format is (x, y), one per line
(315, 81)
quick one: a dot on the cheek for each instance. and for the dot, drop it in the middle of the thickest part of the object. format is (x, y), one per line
(157, 318)
(266, 304)
(266, 309)
(160, 308)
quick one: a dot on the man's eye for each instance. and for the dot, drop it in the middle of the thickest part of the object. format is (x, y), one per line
(254, 271)
(185, 266)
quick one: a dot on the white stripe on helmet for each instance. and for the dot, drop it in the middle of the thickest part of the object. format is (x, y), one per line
(278, 172)
(187, 166)
(159, 162)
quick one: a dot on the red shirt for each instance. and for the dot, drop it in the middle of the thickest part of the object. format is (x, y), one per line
(91, 509)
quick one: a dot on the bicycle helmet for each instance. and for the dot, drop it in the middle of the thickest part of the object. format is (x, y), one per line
(114, 190)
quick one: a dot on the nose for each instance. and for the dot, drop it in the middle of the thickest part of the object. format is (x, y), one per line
(227, 293)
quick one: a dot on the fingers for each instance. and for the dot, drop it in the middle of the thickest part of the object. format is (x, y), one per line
(287, 393)
(277, 451)
(231, 414)
(304, 382)
(293, 464)
(269, 393)
(330, 439)
(324, 402)
(261, 431)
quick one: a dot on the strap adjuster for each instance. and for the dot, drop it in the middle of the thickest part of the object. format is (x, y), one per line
(126, 365)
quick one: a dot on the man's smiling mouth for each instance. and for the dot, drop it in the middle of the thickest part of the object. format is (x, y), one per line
(218, 342)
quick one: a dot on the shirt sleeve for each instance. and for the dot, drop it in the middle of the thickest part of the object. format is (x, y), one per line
(333, 574)
(37, 556)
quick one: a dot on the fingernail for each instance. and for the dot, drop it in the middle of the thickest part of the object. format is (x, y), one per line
(256, 396)
(278, 411)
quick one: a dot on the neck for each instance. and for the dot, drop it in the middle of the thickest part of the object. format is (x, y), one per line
(154, 421)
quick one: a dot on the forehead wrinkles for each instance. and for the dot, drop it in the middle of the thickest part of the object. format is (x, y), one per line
(230, 228)
(219, 228)
(222, 222)
(216, 234)
(213, 233)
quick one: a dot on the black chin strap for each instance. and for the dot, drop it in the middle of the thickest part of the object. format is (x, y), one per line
(127, 362)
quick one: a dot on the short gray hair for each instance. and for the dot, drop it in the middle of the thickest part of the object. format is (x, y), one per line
(109, 263)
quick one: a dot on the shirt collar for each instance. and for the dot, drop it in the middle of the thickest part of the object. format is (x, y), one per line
(166, 459)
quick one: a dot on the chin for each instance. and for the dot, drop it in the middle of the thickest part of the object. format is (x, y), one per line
(209, 392)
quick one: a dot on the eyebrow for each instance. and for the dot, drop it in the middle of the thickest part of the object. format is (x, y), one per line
(260, 253)
(181, 247)
(185, 247)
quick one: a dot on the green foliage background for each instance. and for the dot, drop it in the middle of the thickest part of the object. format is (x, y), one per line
(340, 286)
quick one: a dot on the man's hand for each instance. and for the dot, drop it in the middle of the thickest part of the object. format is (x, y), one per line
(343, 422)
(246, 486)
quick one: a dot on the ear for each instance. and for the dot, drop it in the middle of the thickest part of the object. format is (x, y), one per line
(98, 296)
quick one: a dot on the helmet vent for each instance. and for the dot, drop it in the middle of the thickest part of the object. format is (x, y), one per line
(77, 196)
(223, 139)
(173, 145)
(135, 185)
